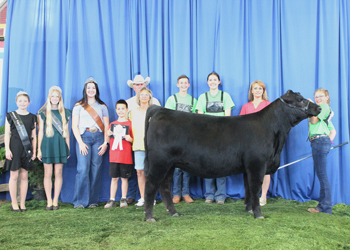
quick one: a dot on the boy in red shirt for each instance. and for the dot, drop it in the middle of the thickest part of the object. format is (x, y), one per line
(120, 157)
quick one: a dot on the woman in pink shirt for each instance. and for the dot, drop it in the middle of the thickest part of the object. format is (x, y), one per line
(257, 97)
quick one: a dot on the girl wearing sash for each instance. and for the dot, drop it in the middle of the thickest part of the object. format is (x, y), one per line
(90, 123)
(321, 135)
(217, 103)
(20, 146)
(138, 116)
(53, 142)
(257, 97)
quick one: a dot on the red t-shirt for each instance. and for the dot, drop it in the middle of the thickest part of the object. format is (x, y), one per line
(121, 156)
(249, 108)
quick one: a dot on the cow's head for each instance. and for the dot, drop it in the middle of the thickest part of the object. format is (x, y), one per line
(299, 106)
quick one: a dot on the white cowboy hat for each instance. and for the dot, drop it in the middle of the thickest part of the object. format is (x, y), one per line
(138, 80)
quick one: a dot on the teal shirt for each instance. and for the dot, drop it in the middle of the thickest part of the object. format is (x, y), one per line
(187, 100)
(202, 102)
(321, 128)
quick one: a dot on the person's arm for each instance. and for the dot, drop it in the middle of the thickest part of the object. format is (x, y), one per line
(34, 142)
(332, 134)
(40, 136)
(7, 140)
(104, 146)
(228, 112)
(75, 128)
(243, 110)
(314, 120)
(67, 139)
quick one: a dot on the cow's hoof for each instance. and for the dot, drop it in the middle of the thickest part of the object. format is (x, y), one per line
(176, 215)
(260, 217)
(250, 211)
(150, 220)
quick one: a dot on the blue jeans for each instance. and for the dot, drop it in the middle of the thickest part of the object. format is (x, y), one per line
(133, 184)
(220, 193)
(177, 183)
(320, 149)
(88, 178)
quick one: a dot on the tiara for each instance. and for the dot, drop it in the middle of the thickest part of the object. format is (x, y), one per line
(55, 88)
(90, 79)
(21, 93)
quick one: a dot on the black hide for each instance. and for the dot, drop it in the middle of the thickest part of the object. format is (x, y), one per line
(211, 147)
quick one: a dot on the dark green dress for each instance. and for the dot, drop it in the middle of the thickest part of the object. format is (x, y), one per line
(54, 149)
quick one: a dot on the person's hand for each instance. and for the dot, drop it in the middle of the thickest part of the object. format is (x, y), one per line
(103, 149)
(9, 155)
(128, 138)
(39, 155)
(83, 148)
(109, 132)
(33, 156)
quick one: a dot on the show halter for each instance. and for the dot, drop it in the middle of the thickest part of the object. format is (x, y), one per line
(295, 107)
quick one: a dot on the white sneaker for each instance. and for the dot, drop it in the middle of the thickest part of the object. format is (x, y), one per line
(155, 202)
(140, 202)
(262, 201)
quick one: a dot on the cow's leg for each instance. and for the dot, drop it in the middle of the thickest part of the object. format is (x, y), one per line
(247, 198)
(255, 180)
(151, 189)
(155, 176)
(165, 191)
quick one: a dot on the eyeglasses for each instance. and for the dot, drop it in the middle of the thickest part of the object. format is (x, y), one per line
(319, 96)
(147, 95)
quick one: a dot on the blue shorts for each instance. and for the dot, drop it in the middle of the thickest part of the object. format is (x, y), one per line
(139, 159)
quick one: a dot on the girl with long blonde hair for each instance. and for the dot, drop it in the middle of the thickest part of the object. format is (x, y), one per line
(53, 143)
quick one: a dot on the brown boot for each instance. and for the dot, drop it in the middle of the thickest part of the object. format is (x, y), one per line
(188, 199)
(176, 199)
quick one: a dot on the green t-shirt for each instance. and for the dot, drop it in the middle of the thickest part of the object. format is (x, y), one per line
(171, 103)
(202, 102)
(321, 128)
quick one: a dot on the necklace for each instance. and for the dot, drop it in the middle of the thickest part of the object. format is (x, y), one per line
(92, 103)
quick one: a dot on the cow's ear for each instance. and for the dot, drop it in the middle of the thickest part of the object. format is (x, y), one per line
(289, 92)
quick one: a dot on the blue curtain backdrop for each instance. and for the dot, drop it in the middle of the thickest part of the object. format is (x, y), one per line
(288, 44)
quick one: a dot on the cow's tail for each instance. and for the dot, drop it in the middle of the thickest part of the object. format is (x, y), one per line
(150, 112)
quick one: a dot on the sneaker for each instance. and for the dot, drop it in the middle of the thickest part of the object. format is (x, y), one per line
(154, 203)
(80, 206)
(92, 206)
(209, 201)
(220, 202)
(262, 201)
(110, 204)
(123, 203)
(140, 202)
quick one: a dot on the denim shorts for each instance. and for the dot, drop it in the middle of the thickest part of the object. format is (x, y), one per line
(139, 159)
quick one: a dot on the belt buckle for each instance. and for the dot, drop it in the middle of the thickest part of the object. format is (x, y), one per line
(93, 129)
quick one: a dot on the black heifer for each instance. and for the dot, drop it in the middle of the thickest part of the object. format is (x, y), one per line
(211, 147)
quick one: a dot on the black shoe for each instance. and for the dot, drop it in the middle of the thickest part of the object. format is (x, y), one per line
(15, 210)
(130, 200)
(49, 208)
(55, 207)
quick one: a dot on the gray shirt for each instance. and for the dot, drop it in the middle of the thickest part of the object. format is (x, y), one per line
(85, 120)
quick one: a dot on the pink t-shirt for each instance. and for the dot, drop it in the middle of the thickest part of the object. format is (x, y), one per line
(249, 108)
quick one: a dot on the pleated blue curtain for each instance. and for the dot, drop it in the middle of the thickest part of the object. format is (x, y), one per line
(299, 45)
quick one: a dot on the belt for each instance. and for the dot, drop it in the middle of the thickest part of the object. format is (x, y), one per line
(316, 136)
(92, 129)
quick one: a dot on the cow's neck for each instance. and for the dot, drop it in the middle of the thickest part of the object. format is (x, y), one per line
(281, 120)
